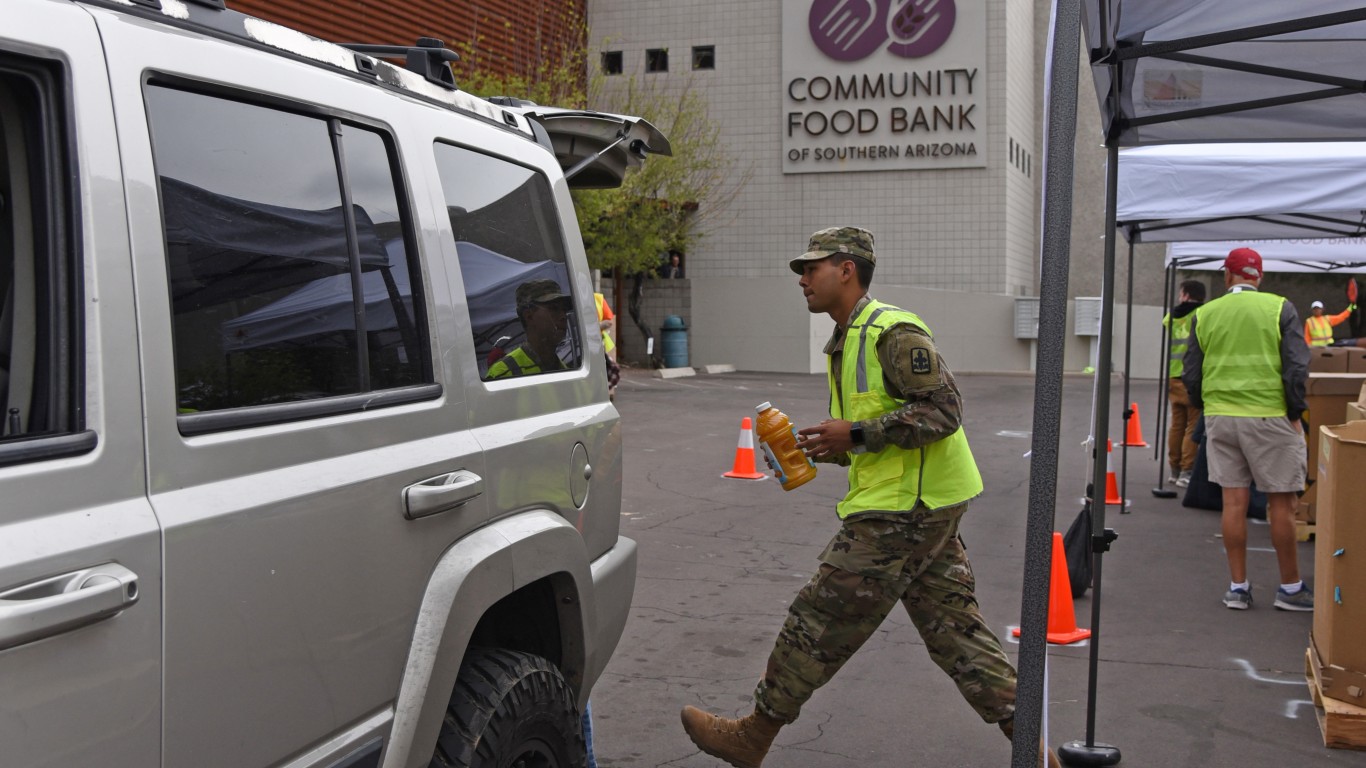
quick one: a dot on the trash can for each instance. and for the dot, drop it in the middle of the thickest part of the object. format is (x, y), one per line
(674, 340)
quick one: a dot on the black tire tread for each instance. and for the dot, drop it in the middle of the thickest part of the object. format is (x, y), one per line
(494, 688)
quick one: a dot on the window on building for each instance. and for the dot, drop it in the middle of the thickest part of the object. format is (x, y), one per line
(657, 60)
(704, 57)
(288, 255)
(39, 384)
(512, 261)
(611, 63)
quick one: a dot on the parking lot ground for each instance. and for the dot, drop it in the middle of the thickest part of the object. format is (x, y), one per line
(1183, 681)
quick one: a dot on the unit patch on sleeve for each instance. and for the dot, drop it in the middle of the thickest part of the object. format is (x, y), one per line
(921, 361)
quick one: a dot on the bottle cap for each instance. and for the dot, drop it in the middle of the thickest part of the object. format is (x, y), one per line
(761, 407)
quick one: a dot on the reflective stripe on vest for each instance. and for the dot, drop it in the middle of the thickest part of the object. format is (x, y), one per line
(938, 475)
(1240, 334)
(1320, 331)
(1180, 340)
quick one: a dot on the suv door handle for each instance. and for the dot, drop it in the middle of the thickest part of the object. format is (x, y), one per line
(441, 493)
(60, 603)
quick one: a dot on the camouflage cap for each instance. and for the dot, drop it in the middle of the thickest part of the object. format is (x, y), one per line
(855, 241)
(541, 291)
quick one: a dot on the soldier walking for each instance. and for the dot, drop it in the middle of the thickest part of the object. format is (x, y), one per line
(897, 424)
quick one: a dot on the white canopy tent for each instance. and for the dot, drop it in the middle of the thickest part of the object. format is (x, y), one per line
(1233, 191)
(1165, 71)
(1309, 256)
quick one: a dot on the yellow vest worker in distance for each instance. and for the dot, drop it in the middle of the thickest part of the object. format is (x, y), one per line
(1181, 449)
(1246, 367)
(897, 424)
(1318, 327)
(543, 310)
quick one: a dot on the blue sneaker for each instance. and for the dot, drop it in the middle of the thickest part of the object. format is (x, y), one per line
(1241, 599)
(1300, 601)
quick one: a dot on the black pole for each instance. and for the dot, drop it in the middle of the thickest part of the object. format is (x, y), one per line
(1076, 753)
(1128, 410)
(1060, 134)
(1164, 410)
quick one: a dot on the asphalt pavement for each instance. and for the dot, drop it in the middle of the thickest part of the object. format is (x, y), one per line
(1182, 680)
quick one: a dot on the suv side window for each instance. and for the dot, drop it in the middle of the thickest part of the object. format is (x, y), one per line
(38, 341)
(288, 254)
(512, 262)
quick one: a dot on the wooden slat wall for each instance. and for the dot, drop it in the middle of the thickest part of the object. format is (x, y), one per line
(509, 36)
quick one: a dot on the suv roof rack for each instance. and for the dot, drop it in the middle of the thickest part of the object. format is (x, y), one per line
(429, 58)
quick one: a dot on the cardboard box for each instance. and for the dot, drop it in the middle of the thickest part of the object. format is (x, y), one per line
(1361, 396)
(1307, 509)
(1356, 359)
(1327, 360)
(1340, 548)
(1328, 395)
(1356, 412)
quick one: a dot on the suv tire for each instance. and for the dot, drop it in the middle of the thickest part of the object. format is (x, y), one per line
(510, 710)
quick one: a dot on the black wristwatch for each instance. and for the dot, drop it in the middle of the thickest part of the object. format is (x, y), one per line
(856, 433)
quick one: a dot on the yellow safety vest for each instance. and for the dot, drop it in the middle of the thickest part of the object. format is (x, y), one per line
(607, 341)
(1240, 334)
(514, 363)
(941, 474)
(1320, 331)
(1180, 340)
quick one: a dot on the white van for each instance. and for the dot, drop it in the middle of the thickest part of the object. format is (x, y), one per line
(260, 502)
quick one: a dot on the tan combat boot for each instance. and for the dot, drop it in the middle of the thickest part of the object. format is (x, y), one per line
(1045, 754)
(742, 743)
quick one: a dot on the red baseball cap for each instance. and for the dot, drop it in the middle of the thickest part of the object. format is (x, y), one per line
(1244, 262)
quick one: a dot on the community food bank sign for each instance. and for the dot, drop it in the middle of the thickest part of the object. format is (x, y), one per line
(881, 85)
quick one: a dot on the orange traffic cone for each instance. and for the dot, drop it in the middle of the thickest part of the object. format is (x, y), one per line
(1133, 437)
(744, 454)
(1112, 496)
(1062, 619)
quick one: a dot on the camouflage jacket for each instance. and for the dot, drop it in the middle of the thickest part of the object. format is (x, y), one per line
(933, 407)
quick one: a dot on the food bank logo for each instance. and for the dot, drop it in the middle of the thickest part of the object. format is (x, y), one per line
(849, 30)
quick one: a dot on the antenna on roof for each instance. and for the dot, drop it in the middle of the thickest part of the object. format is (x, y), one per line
(429, 58)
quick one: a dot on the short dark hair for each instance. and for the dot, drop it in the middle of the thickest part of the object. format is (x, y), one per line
(862, 267)
(1194, 289)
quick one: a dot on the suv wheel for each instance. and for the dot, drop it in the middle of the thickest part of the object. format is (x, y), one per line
(510, 710)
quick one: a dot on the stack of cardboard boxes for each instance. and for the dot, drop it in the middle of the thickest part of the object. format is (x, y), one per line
(1337, 459)
(1336, 377)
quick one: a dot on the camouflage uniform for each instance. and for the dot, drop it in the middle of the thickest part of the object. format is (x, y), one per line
(878, 558)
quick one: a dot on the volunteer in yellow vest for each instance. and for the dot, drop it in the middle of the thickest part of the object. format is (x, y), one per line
(1318, 327)
(543, 309)
(897, 425)
(1246, 366)
(1181, 448)
(607, 323)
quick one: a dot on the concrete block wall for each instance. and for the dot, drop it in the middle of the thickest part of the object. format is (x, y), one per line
(660, 299)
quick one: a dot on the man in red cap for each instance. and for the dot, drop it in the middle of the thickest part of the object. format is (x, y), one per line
(1246, 366)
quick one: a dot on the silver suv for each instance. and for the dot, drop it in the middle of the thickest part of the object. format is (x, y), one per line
(261, 503)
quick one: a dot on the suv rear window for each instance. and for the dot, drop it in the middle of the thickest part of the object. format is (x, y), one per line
(40, 413)
(288, 254)
(512, 261)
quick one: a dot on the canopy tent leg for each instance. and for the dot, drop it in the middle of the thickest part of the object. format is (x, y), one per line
(1090, 752)
(1060, 131)
(1128, 361)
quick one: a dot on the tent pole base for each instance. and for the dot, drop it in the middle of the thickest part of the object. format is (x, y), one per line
(1078, 753)
(1164, 493)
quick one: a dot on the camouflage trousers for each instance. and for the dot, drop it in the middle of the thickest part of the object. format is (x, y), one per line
(870, 564)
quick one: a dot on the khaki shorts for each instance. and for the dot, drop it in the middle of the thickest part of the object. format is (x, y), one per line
(1245, 449)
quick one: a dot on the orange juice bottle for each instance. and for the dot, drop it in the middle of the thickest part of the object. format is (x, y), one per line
(778, 439)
